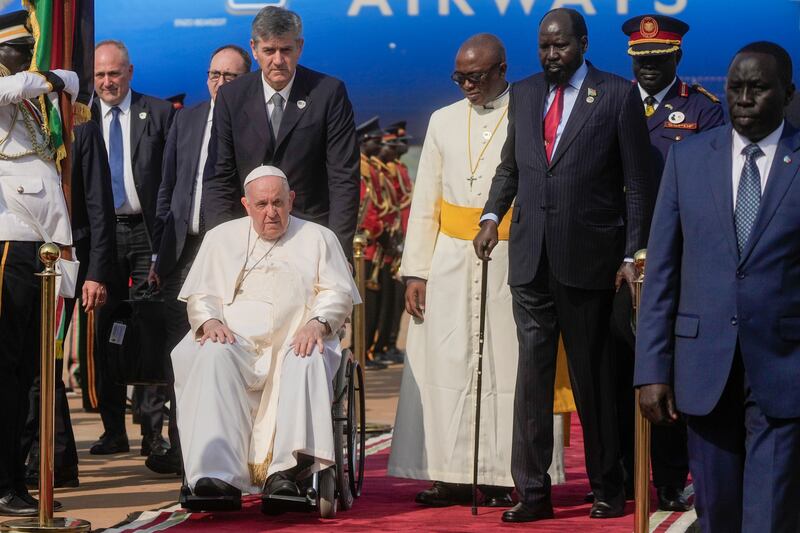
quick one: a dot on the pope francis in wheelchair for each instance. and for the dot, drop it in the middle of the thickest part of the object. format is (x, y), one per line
(256, 376)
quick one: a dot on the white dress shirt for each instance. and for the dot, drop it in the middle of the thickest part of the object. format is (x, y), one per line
(659, 96)
(570, 96)
(194, 217)
(269, 92)
(131, 205)
(768, 145)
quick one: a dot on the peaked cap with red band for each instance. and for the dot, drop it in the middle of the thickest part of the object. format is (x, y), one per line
(654, 34)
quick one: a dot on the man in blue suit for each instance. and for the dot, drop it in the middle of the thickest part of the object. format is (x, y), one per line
(720, 314)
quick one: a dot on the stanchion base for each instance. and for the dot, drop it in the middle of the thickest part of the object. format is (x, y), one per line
(58, 524)
(377, 428)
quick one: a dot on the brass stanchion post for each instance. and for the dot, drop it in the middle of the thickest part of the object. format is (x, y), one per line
(641, 515)
(359, 319)
(48, 254)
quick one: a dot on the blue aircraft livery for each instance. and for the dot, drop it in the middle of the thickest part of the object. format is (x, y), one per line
(396, 56)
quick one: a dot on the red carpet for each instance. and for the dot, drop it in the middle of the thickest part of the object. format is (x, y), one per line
(388, 505)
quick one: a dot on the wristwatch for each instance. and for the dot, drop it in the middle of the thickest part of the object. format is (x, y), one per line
(324, 321)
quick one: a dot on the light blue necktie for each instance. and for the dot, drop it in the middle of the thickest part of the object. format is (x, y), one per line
(748, 196)
(115, 158)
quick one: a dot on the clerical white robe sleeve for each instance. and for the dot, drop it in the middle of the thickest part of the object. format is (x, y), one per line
(202, 308)
(334, 291)
(423, 221)
(23, 85)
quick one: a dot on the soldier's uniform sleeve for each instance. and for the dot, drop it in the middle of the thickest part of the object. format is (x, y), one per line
(23, 85)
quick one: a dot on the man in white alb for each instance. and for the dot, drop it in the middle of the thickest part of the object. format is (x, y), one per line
(433, 435)
(253, 378)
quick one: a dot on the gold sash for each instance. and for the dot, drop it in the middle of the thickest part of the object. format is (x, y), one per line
(463, 222)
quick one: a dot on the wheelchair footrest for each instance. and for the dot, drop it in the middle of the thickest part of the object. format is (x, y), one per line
(209, 503)
(277, 504)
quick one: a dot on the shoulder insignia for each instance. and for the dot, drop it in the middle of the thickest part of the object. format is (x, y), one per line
(699, 88)
(684, 90)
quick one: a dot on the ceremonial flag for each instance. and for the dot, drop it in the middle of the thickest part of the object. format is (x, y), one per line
(64, 34)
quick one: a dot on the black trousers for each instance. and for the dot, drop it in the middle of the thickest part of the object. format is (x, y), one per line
(19, 350)
(373, 303)
(131, 262)
(392, 307)
(65, 451)
(668, 449)
(177, 321)
(543, 309)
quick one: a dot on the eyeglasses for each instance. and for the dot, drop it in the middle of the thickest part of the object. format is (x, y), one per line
(475, 78)
(214, 75)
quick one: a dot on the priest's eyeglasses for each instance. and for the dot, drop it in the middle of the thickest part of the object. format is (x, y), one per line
(475, 78)
(214, 75)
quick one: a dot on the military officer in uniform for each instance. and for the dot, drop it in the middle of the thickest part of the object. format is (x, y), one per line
(32, 211)
(372, 213)
(399, 187)
(675, 111)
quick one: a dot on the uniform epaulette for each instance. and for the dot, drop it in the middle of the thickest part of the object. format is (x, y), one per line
(702, 90)
(684, 90)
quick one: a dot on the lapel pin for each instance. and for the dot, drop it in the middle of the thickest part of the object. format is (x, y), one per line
(142, 115)
(301, 104)
(668, 106)
(677, 117)
(591, 92)
(787, 159)
(590, 99)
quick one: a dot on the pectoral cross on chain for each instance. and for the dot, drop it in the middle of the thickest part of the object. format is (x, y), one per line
(472, 179)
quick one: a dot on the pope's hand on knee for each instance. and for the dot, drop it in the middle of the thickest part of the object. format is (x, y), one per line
(216, 331)
(311, 335)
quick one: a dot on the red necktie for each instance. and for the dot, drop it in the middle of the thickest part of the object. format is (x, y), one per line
(551, 121)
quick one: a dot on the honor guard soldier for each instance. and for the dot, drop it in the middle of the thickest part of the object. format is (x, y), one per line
(32, 211)
(394, 145)
(675, 111)
(372, 211)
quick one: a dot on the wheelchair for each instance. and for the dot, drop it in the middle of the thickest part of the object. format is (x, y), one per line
(333, 488)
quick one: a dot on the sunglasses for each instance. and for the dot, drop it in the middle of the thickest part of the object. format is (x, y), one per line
(475, 78)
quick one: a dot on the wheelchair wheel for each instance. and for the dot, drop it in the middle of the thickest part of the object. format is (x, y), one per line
(357, 422)
(326, 497)
(341, 434)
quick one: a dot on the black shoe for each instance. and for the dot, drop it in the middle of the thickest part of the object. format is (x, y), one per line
(211, 487)
(25, 496)
(444, 495)
(110, 444)
(153, 445)
(169, 463)
(629, 495)
(279, 484)
(393, 356)
(63, 477)
(494, 496)
(671, 499)
(525, 513)
(12, 505)
(589, 498)
(373, 364)
(601, 509)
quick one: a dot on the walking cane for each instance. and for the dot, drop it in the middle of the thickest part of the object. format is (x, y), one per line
(479, 375)
(641, 468)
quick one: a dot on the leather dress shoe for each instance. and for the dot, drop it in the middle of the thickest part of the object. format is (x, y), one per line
(12, 505)
(494, 496)
(444, 495)
(169, 463)
(211, 487)
(671, 499)
(110, 444)
(525, 513)
(25, 496)
(629, 494)
(66, 476)
(279, 484)
(153, 445)
(601, 509)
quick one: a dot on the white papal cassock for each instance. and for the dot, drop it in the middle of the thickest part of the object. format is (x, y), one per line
(434, 428)
(246, 410)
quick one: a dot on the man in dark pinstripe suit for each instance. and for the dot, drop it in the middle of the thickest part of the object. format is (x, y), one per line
(575, 164)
